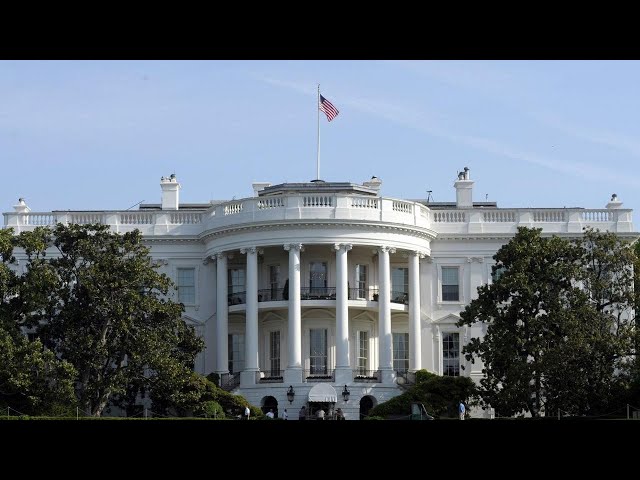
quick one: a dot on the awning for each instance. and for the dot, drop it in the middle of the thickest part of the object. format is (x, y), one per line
(323, 392)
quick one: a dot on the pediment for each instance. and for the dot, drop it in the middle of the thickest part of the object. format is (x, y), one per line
(449, 319)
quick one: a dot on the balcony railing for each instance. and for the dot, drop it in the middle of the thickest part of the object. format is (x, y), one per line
(270, 376)
(237, 298)
(334, 207)
(320, 375)
(315, 293)
(318, 293)
(405, 377)
(400, 297)
(366, 376)
(368, 293)
(272, 295)
(229, 381)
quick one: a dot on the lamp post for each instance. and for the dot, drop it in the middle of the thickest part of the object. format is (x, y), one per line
(345, 394)
(290, 394)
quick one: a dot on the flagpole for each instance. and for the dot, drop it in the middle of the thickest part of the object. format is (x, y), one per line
(318, 160)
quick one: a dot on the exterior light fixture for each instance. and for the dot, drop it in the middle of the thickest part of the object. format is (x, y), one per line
(345, 394)
(290, 394)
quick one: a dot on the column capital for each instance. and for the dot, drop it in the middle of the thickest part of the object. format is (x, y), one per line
(252, 250)
(293, 246)
(415, 253)
(206, 260)
(345, 246)
(221, 256)
(384, 248)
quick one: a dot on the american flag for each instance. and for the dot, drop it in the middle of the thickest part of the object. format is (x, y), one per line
(327, 107)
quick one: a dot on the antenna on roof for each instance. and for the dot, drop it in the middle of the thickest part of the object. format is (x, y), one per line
(134, 205)
(429, 197)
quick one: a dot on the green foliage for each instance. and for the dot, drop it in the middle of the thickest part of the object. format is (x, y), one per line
(195, 394)
(102, 306)
(32, 379)
(210, 409)
(439, 395)
(560, 324)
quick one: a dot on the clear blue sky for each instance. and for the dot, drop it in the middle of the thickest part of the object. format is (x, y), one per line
(100, 134)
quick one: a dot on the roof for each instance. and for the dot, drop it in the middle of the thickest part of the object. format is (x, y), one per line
(317, 186)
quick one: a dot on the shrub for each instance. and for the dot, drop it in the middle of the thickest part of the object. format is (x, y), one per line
(210, 409)
(439, 395)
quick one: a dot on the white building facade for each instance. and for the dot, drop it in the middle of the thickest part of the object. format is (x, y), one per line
(307, 291)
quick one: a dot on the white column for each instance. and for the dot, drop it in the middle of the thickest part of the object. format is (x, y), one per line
(384, 316)
(210, 327)
(437, 351)
(293, 374)
(251, 318)
(343, 366)
(415, 337)
(222, 315)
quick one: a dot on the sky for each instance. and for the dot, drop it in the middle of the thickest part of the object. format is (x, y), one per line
(98, 135)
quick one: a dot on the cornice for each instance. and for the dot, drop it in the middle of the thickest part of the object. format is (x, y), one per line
(414, 231)
(508, 236)
(171, 239)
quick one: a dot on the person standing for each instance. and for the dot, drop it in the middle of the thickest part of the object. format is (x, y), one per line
(320, 414)
(461, 410)
(247, 412)
(302, 415)
(285, 415)
(270, 413)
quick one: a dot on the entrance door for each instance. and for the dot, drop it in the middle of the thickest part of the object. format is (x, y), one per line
(366, 404)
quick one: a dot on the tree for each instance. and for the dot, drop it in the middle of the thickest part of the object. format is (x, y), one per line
(529, 310)
(32, 379)
(560, 324)
(609, 264)
(100, 304)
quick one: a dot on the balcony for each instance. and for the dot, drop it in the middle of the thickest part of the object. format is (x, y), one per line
(320, 375)
(270, 376)
(314, 293)
(276, 209)
(366, 376)
(336, 207)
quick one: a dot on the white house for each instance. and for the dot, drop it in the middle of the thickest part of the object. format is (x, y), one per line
(307, 291)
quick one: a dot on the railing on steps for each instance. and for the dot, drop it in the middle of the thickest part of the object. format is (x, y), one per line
(229, 381)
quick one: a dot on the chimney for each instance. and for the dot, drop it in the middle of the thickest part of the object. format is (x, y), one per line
(614, 202)
(464, 190)
(170, 192)
(374, 184)
(21, 207)
(259, 186)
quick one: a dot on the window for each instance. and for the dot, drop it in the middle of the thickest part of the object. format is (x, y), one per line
(236, 353)
(274, 281)
(450, 284)
(318, 278)
(451, 354)
(274, 343)
(318, 351)
(401, 352)
(361, 281)
(363, 353)
(237, 286)
(186, 285)
(495, 275)
(399, 284)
